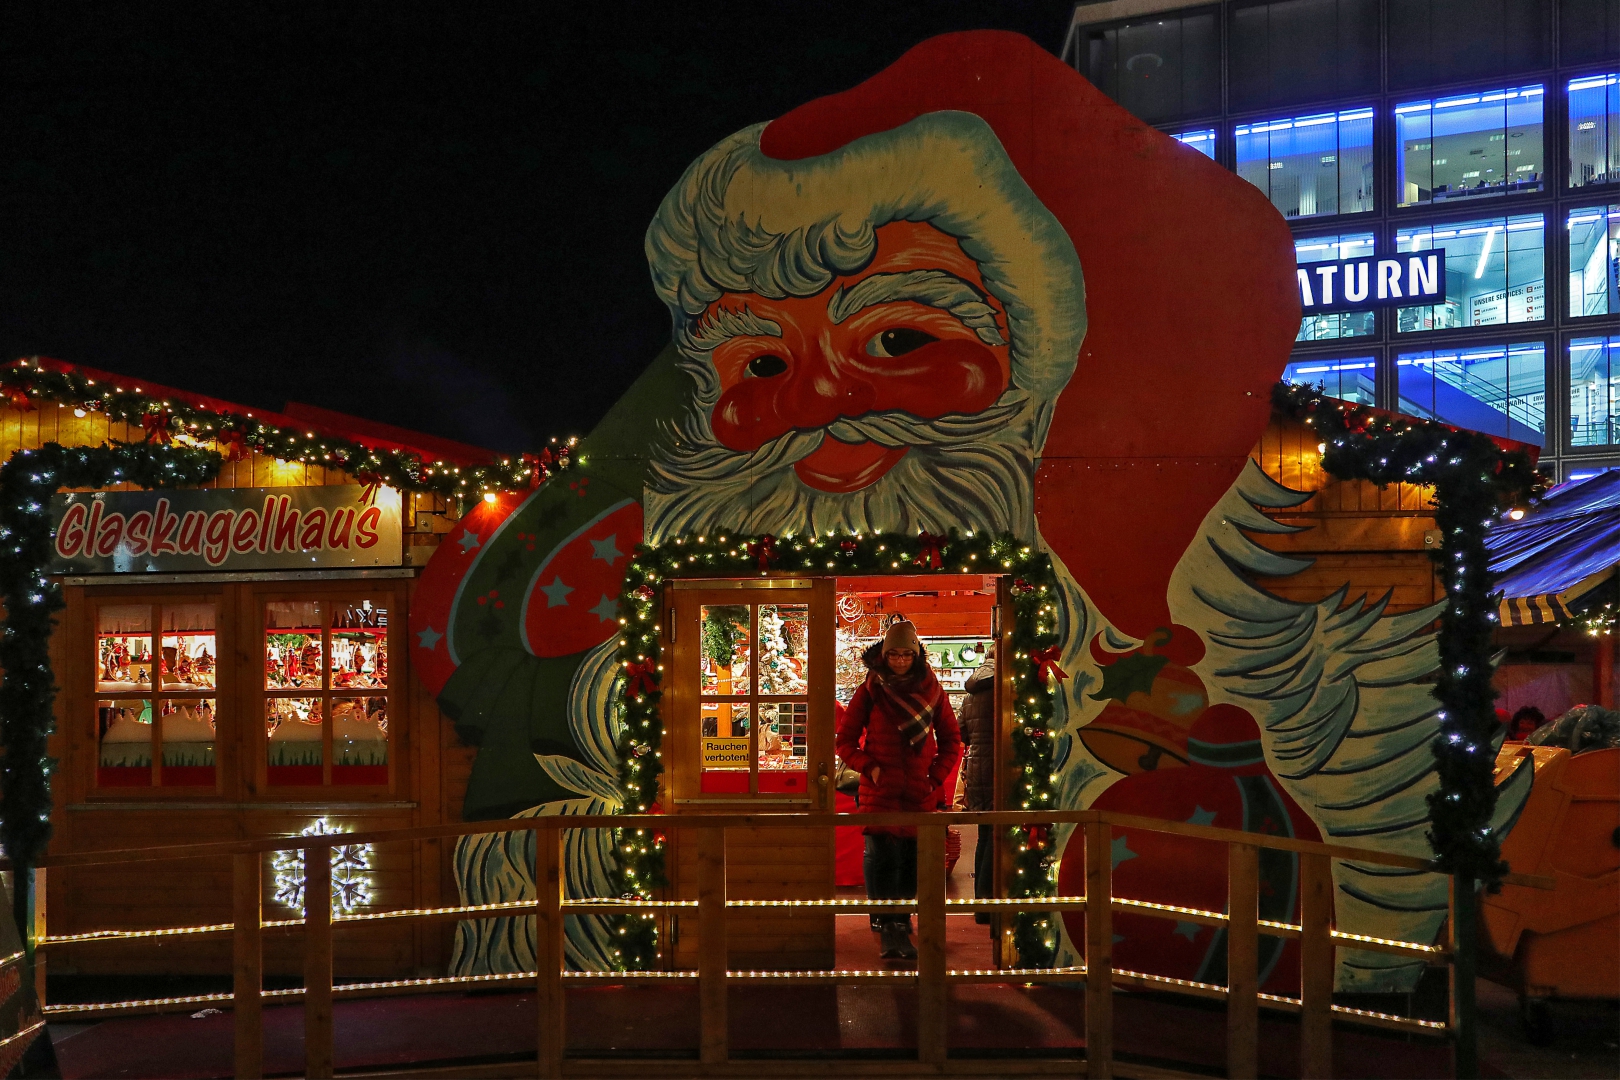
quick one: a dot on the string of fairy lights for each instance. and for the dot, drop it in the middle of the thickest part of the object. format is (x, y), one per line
(640, 853)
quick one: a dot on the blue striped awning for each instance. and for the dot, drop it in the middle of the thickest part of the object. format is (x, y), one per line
(1562, 549)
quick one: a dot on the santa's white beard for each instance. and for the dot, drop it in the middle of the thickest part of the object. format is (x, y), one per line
(967, 472)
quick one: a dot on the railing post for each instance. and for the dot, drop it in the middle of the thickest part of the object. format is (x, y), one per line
(1242, 960)
(712, 949)
(1099, 951)
(247, 963)
(1317, 959)
(318, 962)
(548, 945)
(931, 992)
(41, 930)
(1464, 950)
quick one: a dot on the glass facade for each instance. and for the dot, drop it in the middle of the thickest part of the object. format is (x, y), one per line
(1341, 324)
(1202, 141)
(1594, 260)
(1498, 389)
(1594, 379)
(1352, 378)
(1310, 166)
(1489, 129)
(1594, 130)
(1469, 145)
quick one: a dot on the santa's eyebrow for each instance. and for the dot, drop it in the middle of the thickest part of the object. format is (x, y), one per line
(936, 288)
(721, 325)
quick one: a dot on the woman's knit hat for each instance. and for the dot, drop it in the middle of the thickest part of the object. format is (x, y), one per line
(901, 635)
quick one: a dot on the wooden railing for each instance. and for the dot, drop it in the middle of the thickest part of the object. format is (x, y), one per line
(932, 978)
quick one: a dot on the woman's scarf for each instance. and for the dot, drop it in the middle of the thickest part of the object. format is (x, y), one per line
(913, 698)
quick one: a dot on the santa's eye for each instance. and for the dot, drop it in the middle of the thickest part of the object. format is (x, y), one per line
(766, 366)
(898, 342)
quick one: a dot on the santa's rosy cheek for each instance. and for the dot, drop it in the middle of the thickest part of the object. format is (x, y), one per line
(956, 376)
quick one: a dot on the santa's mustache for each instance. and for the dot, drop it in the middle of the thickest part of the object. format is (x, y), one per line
(699, 457)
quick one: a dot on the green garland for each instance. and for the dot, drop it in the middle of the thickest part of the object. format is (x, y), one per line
(28, 688)
(1475, 480)
(640, 852)
(23, 384)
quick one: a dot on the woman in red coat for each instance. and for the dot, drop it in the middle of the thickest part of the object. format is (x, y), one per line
(900, 734)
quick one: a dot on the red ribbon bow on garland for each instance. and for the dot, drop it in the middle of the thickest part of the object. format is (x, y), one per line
(928, 550)
(233, 441)
(1046, 661)
(373, 482)
(640, 677)
(156, 425)
(1039, 835)
(18, 399)
(539, 466)
(764, 551)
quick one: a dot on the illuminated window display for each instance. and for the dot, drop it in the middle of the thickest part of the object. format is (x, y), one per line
(324, 737)
(1497, 389)
(754, 704)
(156, 666)
(1594, 383)
(1470, 145)
(1495, 273)
(1594, 130)
(1348, 379)
(1594, 260)
(1310, 166)
(1337, 324)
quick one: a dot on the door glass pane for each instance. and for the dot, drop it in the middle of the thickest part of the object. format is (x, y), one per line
(292, 645)
(123, 648)
(295, 729)
(727, 648)
(359, 740)
(784, 638)
(187, 729)
(724, 748)
(124, 730)
(360, 648)
(784, 728)
(190, 649)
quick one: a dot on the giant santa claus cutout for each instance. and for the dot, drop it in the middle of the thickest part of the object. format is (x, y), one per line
(969, 293)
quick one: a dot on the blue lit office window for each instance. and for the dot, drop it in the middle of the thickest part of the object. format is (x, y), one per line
(1470, 145)
(1201, 141)
(1310, 166)
(1594, 391)
(1341, 324)
(1497, 389)
(1348, 379)
(1594, 260)
(1594, 130)
(1495, 273)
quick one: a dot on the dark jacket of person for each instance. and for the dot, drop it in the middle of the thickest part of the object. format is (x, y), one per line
(911, 778)
(977, 721)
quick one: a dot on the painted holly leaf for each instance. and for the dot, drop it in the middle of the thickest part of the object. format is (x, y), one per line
(1129, 675)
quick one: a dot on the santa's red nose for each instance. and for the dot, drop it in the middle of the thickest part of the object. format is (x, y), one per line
(938, 379)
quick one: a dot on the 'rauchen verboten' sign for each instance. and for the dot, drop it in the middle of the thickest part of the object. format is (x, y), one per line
(290, 528)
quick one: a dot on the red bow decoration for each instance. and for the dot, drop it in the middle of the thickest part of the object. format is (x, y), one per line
(1022, 587)
(18, 399)
(764, 551)
(156, 425)
(928, 550)
(847, 546)
(539, 466)
(1047, 662)
(1039, 835)
(640, 677)
(234, 442)
(645, 593)
(373, 482)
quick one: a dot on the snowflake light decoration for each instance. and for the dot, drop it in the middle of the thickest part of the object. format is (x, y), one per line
(351, 873)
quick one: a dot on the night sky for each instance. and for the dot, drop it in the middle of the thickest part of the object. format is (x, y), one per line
(430, 216)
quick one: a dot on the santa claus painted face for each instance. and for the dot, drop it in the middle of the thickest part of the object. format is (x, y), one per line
(876, 337)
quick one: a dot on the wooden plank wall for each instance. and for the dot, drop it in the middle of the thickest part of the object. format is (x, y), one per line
(431, 777)
(1369, 538)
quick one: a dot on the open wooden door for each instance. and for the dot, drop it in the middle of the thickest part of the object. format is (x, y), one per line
(749, 729)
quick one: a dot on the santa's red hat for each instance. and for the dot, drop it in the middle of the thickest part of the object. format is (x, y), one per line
(1190, 288)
